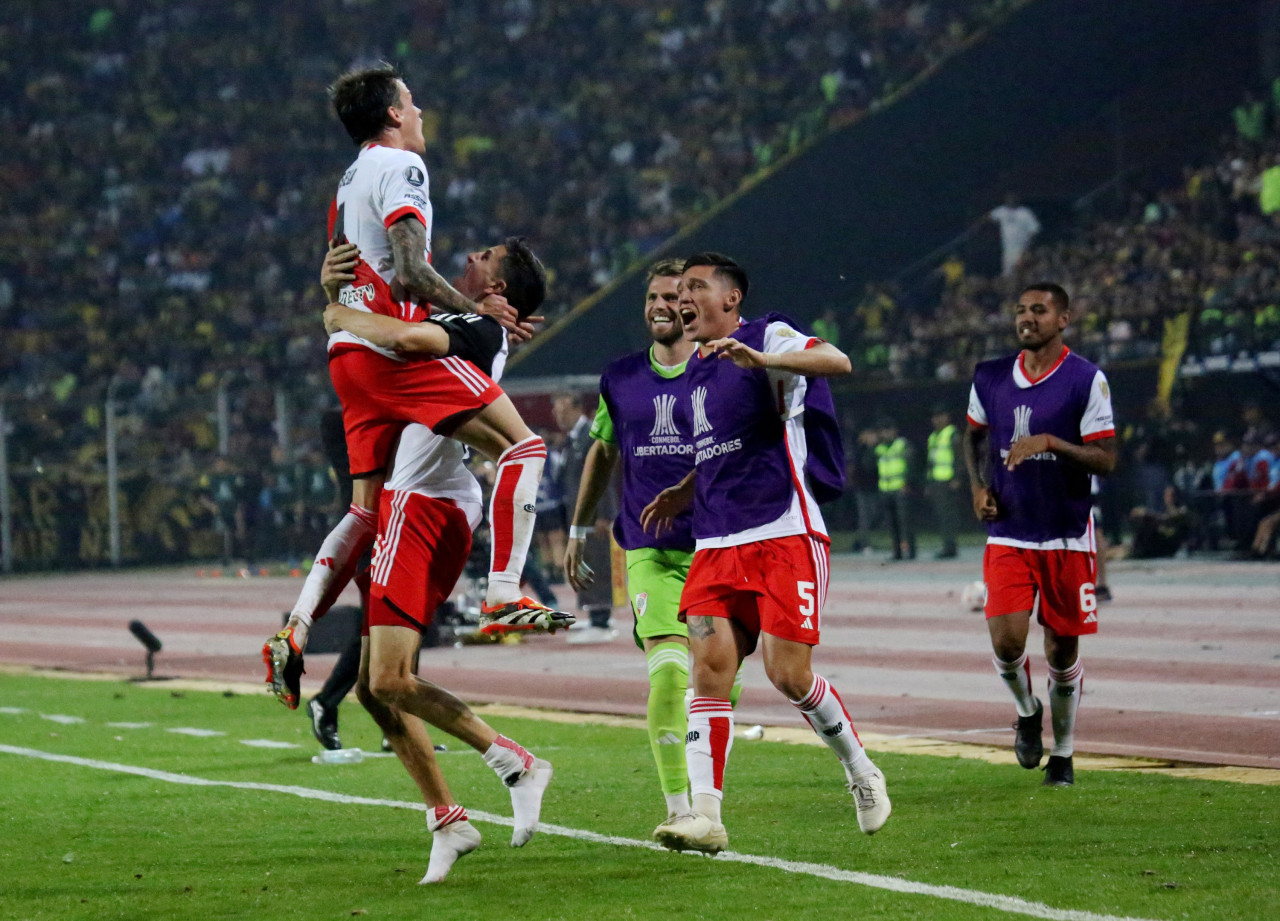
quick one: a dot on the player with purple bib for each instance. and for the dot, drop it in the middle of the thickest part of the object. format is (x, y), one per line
(1048, 413)
(760, 564)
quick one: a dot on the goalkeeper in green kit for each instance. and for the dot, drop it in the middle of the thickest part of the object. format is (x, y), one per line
(635, 424)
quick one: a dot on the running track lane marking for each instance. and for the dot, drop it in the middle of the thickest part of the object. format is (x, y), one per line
(893, 884)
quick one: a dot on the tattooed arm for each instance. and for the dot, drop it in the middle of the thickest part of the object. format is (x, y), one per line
(408, 250)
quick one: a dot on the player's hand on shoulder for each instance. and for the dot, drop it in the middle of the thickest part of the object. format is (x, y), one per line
(741, 354)
(339, 268)
(496, 307)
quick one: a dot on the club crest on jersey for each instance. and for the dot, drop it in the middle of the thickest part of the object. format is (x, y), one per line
(663, 416)
(414, 176)
(642, 604)
(700, 423)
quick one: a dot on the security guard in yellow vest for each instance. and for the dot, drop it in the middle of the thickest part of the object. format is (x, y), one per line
(894, 455)
(942, 481)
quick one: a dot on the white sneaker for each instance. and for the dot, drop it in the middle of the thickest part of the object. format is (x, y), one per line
(526, 801)
(591, 635)
(692, 832)
(449, 843)
(872, 800)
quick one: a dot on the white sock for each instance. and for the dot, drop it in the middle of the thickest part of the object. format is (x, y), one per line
(334, 566)
(511, 516)
(1017, 677)
(451, 837)
(508, 759)
(825, 712)
(678, 804)
(526, 801)
(707, 748)
(1065, 688)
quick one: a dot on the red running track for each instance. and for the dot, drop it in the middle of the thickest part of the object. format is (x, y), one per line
(1186, 666)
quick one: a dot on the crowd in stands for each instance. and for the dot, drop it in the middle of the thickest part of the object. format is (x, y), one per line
(168, 165)
(1207, 248)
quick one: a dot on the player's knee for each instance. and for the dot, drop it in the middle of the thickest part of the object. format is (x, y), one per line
(795, 683)
(388, 688)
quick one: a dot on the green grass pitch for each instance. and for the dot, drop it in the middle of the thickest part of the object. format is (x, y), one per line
(79, 841)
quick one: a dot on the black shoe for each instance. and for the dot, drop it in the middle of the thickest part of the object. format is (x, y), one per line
(324, 724)
(1027, 745)
(1059, 771)
(1103, 593)
(946, 554)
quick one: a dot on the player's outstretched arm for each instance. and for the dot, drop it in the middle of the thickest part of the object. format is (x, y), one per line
(822, 360)
(413, 271)
(428, 339)
(596, 471)
(1097, 457)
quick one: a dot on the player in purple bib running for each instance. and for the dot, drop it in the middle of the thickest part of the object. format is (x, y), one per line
(761, 553)
(1047, 411)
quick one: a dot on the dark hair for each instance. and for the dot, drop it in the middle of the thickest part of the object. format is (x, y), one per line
(525, 277)
(1055, 291)
(361, 99)
(665, 268)
(725, 267)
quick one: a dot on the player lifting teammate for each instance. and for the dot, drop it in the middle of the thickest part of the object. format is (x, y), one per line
(383, 209)
(1048, 413)
(761, 560)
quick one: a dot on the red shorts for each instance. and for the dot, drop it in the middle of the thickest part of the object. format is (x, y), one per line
(1061, 581)
(777, 586)
(380, 396)
(422, 545)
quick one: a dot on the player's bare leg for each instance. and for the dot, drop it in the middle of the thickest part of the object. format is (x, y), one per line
(1009, 656)
(334, 566)
(393, 683)
(452, 835)
(716, 646)
(1066, 680)
(787, 664)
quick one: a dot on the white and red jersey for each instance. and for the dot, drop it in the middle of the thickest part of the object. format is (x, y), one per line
(383, 185)
(435, 466)
(750, 447)
(1045, 503)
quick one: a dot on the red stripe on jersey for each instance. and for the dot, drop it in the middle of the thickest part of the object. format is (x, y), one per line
(974, 422)
(333, 217)
(1105, 433)
(404, 212)
(1022, 366)
(813, 340)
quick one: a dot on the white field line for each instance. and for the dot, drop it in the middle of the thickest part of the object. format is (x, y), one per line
(891, 883)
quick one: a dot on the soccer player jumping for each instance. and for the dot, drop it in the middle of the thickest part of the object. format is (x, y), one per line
(1048, 413)
(760, 565)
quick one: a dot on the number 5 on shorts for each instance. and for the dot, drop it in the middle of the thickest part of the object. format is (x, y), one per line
(806, 597)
